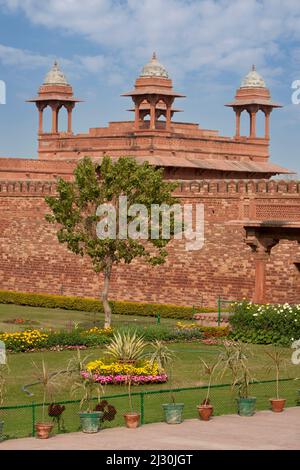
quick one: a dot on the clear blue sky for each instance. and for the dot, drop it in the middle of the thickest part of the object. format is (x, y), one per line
(207, 47)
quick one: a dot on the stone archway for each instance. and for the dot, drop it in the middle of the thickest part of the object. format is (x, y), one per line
(262, 237)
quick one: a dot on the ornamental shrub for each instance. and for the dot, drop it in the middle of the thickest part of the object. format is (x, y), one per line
(265, 324)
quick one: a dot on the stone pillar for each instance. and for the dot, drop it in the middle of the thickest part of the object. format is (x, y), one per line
(267, 124)
(152, 115)
(54, 118)
(168, 117)
(252, 124)
(261, 245)
(261, 258)
(41, 112)
(137, 116)
(70, 120)
(238, 122)
(69, 108)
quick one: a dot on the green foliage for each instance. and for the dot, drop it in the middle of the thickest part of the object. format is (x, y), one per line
(126, 346)
(160, 354)
(94, 305)
(265, 324)
(75, 206)
(235, 359)
(50, 382)
(83, 385)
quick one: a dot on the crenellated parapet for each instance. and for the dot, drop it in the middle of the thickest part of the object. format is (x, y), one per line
(240, 187)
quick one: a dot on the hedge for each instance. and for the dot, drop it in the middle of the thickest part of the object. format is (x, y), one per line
(94, 305)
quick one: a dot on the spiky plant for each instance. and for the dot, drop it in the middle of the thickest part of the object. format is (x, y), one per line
(126, 346)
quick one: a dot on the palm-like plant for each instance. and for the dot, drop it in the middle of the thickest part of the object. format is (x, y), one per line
(164, 357)
(209, 370)
(126, 346)
(160, 355)
(88, 388)
(279, 362)
(235, 358)
(49, 381)
(83, 384)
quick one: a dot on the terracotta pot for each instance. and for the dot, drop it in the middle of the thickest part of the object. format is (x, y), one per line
(205, 412)
(43, 430)
(132, 419)
(277, 404)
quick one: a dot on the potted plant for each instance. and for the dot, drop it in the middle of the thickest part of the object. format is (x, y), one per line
(132, 418)
(235, 359)
(84, 384)
(49, 381)
(164, 357)
(90, 419)
(277, 404)
(206, 409)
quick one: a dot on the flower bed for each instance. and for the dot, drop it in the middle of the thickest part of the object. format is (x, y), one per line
(29, 340)
(117, 373)
(207, 331)
(135, 379)
(24, 340)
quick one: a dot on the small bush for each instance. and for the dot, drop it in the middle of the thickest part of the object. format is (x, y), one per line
(265, 324)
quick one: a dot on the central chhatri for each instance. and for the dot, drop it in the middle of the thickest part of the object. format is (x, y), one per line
(154, 69)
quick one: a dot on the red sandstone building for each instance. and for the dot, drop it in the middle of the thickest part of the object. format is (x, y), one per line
(252, 223)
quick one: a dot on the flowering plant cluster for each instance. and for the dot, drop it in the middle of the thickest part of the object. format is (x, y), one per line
(207, 331)
(265, 324)
(122, 368)
(118, 372)
(120, 379)
(99, 331)
(29, 340)
(24, 340)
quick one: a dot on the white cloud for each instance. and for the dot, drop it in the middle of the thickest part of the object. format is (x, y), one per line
(75, 66)
(189, 35)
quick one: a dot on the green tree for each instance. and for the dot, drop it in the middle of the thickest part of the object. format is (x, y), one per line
(74, 209)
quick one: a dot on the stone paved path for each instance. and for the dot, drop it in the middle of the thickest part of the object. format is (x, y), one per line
(264, 430)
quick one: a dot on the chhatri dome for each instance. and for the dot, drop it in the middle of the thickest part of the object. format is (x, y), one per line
(154, 69)
(55, 76)
(253, 80)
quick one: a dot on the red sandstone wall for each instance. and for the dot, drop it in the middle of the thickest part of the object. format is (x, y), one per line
(31, 259)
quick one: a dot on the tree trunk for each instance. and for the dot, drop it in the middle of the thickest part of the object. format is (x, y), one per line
(106, 306)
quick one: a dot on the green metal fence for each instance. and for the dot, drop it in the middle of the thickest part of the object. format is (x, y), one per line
(19, 420)
(222, 305)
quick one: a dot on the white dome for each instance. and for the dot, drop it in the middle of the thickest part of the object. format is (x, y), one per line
(55, 76)
(253, 80)
(154, 69)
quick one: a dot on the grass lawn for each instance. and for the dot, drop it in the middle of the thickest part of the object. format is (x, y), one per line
(60, 319)
(186, 374)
